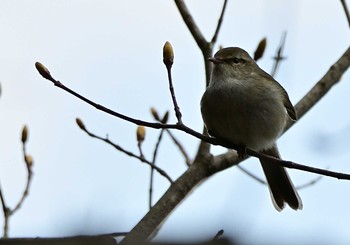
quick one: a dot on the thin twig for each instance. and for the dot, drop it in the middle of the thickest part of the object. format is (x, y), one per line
(261, 181)
(181, 148)
(8, 212)
(279, 54)
(152, 169)
(346, 10)
(191, 24)
(119, 148)
(218, 27)
(173, 97)
(310, 183)
(139, 146)
(218, 235)
(176, 142)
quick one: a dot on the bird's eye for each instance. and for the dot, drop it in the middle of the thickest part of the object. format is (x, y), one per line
(236, 60)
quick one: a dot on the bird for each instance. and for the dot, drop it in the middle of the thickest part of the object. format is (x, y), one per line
(246, 106)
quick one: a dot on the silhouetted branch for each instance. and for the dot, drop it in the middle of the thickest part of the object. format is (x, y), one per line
(168, 59)
(346, 10)
(261, 181)
(310, 183)
(181, 148)
(279, 54)
(152, 169)
(218, 27)
(119, 148)
(164, 120)
(191, 24)
(28, 160)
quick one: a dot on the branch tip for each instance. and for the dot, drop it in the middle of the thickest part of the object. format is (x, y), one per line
(24, 136)
(44, 72)
(168, 55)
(80, 124)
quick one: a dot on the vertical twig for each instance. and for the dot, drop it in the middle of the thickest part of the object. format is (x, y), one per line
(152, 169)
(168, 60)
(172, 92)
(279, 54)
(29, 163)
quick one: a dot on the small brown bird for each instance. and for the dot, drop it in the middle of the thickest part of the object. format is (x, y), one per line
(248, 107)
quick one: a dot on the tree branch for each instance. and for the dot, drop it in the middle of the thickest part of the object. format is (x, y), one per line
(28, 160)
(332, 76)
(218, 27)
(191, 24)
(346, 10)
(279, 54)
(119, 148)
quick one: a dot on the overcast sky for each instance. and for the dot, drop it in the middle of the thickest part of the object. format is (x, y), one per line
(111, 52)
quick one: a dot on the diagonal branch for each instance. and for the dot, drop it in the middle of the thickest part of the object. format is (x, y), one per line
(218, 27)
(191, 24)
(332, 77)
(119, 148)
(346, 10)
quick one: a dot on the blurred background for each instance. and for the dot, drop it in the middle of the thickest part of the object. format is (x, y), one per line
(111, 52)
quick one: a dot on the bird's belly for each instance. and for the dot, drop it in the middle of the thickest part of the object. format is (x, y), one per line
(254, 124)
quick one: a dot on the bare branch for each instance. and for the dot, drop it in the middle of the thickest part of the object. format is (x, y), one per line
(168, 49)
(310, 183)
(152, 169)
(279, 54)
(119, 148)
(218, 27)
(332, 76)
(176, 142)
(29, 163)
(181, 148)
(346, 10)
(261, 181)
(191, 24)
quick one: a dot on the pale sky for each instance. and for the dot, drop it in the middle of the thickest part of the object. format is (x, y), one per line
(111, 52)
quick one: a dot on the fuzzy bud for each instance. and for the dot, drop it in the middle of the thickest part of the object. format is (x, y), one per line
(165, 118)
(24, 134)
(155, 113)
(29, 160)
(80, 123)
(168, 55)
(43, 71)
(140, 133)
(260, 49)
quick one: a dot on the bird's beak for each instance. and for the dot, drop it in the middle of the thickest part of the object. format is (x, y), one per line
(214, 60)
